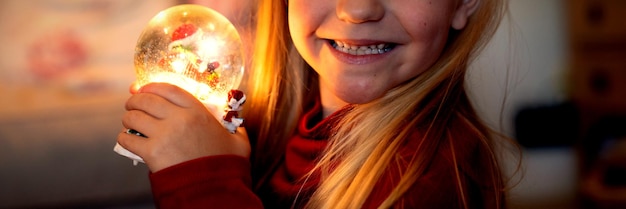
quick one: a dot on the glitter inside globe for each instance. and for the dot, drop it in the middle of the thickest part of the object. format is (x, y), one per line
(193, 47)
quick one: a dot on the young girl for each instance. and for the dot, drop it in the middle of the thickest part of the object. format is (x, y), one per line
(351, 104)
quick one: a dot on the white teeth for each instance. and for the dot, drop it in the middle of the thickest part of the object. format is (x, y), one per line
(361, 50)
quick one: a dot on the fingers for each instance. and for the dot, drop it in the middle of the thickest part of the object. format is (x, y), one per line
(150, 104)
(141, 122)
(155, 102)
(161, 99)
(133, 143)
(177, 127)
(172, 93)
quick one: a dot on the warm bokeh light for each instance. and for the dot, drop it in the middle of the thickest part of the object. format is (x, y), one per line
(193, 47)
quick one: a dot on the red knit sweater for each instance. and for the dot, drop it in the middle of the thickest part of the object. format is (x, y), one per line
(225, 181)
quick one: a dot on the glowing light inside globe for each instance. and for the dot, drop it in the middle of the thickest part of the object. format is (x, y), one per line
(193, 47)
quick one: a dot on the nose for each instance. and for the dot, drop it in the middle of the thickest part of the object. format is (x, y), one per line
(360, 11)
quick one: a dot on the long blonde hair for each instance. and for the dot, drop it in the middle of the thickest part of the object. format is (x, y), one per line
(368, 139)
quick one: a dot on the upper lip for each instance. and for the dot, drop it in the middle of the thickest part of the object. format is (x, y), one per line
(361, 42)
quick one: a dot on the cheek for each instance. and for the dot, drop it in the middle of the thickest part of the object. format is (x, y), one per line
(428, 27)
(297, 32)
(429, 35)
(302, 24)
(426, 48)
(429, 21)
(298, 14)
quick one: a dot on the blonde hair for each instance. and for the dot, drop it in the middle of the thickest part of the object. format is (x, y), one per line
(367, 139)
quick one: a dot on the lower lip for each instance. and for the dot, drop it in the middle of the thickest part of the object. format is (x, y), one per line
(356, 59)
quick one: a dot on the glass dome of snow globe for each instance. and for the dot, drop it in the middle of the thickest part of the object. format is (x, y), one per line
(193, 47)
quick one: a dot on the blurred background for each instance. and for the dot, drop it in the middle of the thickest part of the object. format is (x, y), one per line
(560, 68)
(553, 78)
(65, 70)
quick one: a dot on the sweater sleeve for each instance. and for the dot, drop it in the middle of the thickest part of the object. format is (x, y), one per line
(209, 182)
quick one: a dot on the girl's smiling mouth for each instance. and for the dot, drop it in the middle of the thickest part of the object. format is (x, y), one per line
(379, 48)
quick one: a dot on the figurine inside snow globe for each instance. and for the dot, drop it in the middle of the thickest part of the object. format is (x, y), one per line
(193, 47)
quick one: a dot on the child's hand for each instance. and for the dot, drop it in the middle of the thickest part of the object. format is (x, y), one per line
(177, 127)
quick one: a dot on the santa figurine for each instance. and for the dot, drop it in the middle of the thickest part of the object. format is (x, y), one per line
(231, 118)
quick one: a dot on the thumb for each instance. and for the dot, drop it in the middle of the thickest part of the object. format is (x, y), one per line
(134, 88)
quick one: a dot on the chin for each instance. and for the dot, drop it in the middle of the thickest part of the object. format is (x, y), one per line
(352, 98)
